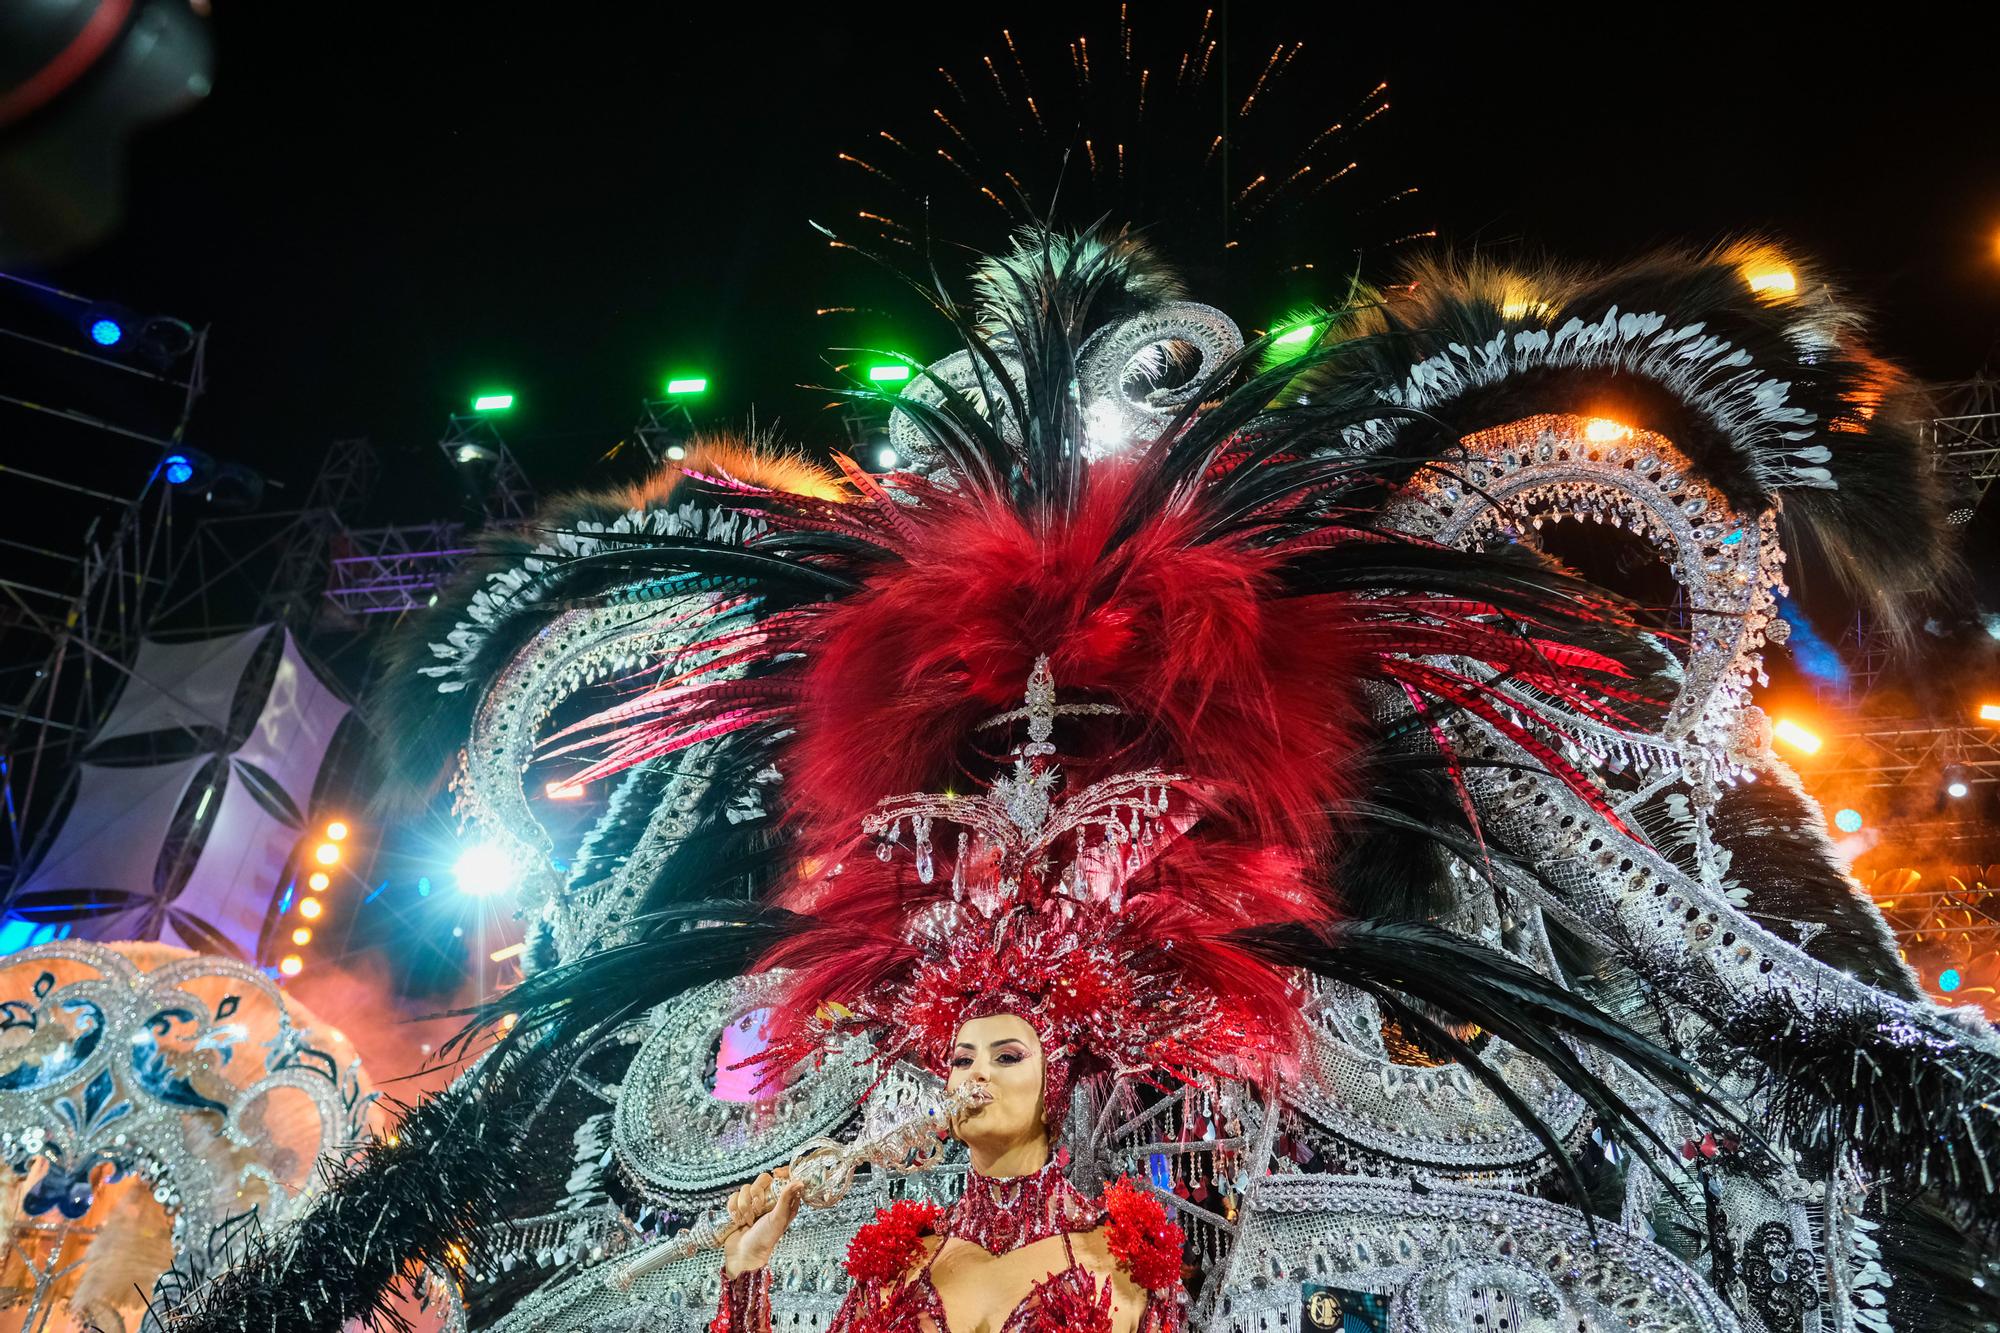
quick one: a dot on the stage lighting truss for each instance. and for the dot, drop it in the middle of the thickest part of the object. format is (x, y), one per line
(664, 428)
(1964, 435)
(473, 445)
(387, 571)
(1879, 753)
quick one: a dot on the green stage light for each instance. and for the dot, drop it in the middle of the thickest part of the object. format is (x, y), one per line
(691, 384)
(888, 374)
(1290, 343)
(493, 402)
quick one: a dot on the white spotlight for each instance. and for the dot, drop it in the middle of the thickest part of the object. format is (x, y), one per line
(885, 459)
(483, 871)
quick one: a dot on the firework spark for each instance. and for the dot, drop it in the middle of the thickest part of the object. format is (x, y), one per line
(1262, 79)
(882, 221)
(871, 170)
(1217, 172)
(999, 84)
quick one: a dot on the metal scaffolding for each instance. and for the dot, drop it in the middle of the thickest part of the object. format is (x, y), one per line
(345, 479)
(665, 426)
(1894, 752)
(239, 570)
(387, 571)
(1963, 433)
(392, 570)
(1964, 436)
(71, 616)
(475, 449)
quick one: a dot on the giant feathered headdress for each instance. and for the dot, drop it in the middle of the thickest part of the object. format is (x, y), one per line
(1208, 613)
(1122, 705)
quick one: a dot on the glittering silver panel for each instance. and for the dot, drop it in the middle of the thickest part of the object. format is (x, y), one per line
(963, 378)
(809, 1279)
(1808, 1255)
(577, 649)
(1514, 479)
(1476, 1245)
(573, 651)
(514, 590)
(678, 1141)
(1442, 1255)
(1438, 1120)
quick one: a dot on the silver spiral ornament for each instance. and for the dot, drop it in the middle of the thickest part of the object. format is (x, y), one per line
(965, 378)
(1113, 368)
(1191, 339)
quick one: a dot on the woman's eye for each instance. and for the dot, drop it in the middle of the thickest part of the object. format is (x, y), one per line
(962, 1062)
(1009, 1059)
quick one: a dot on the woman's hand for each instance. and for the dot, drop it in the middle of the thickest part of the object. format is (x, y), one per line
(758, 1216)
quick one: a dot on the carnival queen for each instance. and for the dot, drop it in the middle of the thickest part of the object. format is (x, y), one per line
(1021, 1251)
(1016, 976)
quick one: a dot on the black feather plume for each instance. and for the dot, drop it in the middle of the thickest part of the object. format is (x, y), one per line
(1945, 1281)
(1912, 1096)
(1780, 853)
(1861, 436)
(456, 1164)
(1410, 967)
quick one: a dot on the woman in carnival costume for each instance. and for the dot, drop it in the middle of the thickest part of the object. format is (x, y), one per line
(1119, 741)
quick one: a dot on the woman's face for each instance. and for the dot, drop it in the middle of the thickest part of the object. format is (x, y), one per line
(1002, 1052)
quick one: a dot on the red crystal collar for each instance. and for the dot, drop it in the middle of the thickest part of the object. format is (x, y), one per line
(1001, 1214)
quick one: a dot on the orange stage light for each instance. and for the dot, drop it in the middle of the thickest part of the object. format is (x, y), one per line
(1796, 736)
(1772, 281)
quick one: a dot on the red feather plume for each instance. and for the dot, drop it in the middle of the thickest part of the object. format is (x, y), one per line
(1179, 647)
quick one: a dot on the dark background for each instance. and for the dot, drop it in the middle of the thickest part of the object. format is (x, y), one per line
(382, 209)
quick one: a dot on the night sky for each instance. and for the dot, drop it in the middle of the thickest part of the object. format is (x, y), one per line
(380, 217)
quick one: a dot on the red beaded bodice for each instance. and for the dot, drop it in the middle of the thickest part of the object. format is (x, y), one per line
(893, 1291)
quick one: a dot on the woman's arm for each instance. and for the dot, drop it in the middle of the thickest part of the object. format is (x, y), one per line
(758, 1216)
(879, 1258)
(745, 1305)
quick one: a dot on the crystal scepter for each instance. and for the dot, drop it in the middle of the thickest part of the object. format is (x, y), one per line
(828, 1167)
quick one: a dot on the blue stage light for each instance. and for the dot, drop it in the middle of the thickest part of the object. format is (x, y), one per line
(1848, 821)
(178, 469)
(1948, 979)
(1811, 653)
(106, 332)
(483, 870)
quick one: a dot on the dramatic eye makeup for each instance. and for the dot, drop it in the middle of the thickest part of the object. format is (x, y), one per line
(1006, 1051)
